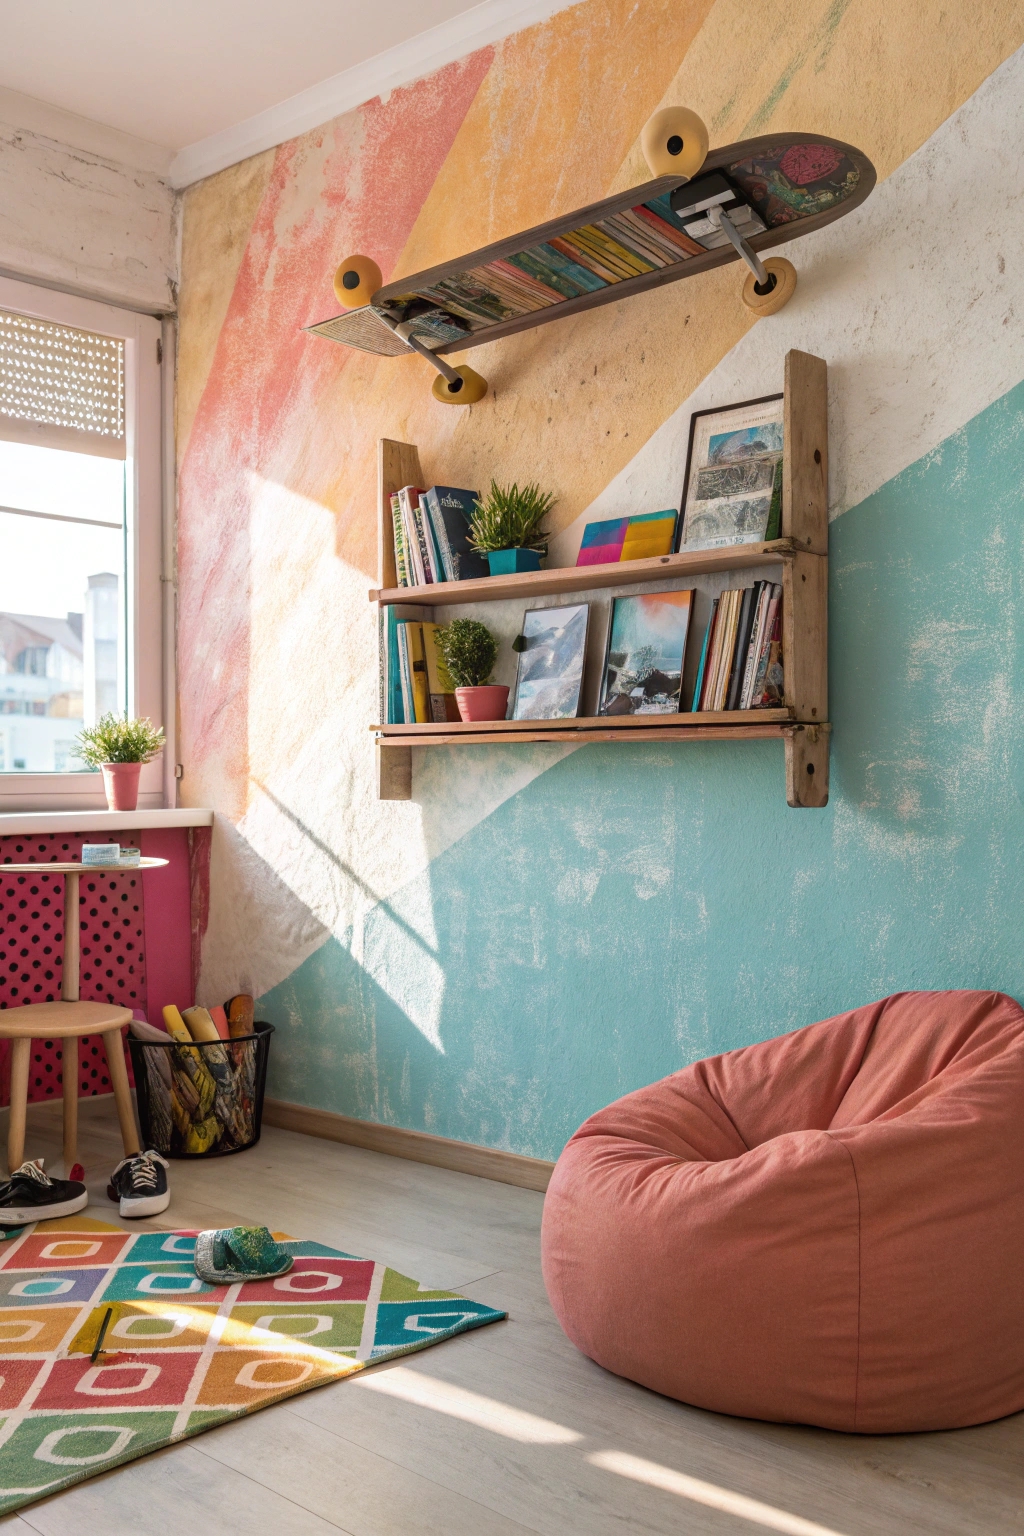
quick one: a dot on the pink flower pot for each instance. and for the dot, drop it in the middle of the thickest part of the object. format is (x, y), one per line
(121, 782)
(487, 703)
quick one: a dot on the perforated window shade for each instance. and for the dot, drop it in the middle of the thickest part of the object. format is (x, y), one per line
(61, 387)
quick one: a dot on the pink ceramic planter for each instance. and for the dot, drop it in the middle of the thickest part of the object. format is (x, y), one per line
(486, 703)
(121, 783)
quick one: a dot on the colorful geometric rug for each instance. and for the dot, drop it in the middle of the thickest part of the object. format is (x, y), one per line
(178, 1356)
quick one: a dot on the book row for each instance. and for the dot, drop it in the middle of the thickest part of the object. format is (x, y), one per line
(739, 665)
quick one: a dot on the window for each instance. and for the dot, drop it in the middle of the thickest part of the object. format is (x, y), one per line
(80, 538)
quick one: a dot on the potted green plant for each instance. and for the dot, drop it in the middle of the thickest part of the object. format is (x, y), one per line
(119, 748)
(507, 527)
(467, 650)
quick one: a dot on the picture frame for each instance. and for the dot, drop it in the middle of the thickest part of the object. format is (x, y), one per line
(552, 653)
(732, 489)
(645, 654)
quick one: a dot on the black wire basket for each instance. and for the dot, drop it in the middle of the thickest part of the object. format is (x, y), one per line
(201, 1100)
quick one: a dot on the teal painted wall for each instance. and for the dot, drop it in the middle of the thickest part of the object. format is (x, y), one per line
(634, 909)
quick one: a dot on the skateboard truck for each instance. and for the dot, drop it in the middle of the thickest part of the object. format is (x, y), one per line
(764, 280)
(453, 386)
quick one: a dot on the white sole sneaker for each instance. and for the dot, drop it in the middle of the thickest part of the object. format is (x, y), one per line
(144, 1205)
(20, 1216)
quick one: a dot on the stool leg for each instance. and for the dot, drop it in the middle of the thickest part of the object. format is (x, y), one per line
(21, 1056)
(114, 1048)
(69, 1074)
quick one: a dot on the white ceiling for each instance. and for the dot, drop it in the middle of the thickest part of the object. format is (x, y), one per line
(177, 73)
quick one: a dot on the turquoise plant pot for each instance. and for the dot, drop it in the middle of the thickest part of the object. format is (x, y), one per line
(506, 562)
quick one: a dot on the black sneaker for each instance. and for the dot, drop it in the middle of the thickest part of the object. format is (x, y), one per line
(31, 1195)
(140, 1183)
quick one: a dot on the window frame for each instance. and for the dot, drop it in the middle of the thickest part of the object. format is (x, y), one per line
(142, 337)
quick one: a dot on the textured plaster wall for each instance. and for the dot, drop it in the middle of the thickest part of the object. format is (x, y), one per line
(81, 220)
(541, 928)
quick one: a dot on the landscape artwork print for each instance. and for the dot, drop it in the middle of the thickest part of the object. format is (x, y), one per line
(733, 492)
(643, 668)
(549, 683)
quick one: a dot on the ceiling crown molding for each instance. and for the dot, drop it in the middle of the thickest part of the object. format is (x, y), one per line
(385, 72)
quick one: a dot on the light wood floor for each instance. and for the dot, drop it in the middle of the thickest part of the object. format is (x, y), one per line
(504, 1430)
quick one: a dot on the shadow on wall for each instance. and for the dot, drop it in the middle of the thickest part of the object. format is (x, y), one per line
(636, 908)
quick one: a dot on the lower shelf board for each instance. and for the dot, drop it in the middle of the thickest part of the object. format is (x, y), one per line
(807, 745)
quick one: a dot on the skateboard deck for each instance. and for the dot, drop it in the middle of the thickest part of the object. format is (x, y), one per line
(773, 189)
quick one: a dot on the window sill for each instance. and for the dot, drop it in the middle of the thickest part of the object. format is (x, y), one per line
(25, 823)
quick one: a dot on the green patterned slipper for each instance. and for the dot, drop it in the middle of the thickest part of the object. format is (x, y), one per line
(239, 1253)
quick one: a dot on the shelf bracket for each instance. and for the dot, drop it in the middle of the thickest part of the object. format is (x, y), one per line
(753, 261)
(807, 763)
(446, 372)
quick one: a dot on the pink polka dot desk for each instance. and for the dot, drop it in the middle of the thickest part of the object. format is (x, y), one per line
(45, 938)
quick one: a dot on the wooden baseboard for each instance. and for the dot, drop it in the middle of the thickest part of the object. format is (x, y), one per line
(418, 1146)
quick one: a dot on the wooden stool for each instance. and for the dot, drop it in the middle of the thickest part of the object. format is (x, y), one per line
(67, 1022)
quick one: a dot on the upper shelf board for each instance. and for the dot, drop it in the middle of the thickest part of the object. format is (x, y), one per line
(585, 578)
(774, 188)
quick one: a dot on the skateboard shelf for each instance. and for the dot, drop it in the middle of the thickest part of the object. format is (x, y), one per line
(749, 166)
(802, 555)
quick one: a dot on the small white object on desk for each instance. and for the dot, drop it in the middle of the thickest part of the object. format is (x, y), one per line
(101, 855)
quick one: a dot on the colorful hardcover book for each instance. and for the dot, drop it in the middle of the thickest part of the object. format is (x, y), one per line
(393, 670)
(523, 297)
(524, 282)
(650, 215)
(417, 671)
(440, 688)
(764, 592)
(630, 243)
(635, 264)
(413, 553)
(602, 542)
(649, 535)
(422, 552)
(450, 512)
(584, 257)
(533, 266)
(589, 240)
(639, 238)
(698, 685)
(401, 568)
(581, 276)
(646, 229)
(405, 673)
(739, 656)
(772, 631)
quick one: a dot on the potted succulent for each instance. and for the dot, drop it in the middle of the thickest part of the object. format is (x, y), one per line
(119, 748)
(467, 649)
(507, 527)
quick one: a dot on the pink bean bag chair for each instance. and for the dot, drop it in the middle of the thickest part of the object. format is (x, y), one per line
(824, 1229)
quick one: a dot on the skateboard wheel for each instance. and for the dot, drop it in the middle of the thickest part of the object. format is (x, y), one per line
(356, 281)
(674, 142)
(473, 388)
(784, 287)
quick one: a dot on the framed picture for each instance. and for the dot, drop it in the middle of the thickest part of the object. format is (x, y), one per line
(732, 493)
(552, 650)
(643, 666)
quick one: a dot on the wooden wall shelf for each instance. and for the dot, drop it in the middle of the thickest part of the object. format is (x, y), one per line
(802, 553)
(587, 578)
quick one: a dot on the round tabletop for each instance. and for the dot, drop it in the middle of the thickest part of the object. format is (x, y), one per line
(59, 1021)
(79, 869)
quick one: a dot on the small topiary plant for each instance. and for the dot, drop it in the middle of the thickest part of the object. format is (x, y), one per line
(510, 518)
(113, 740)
(467, 650)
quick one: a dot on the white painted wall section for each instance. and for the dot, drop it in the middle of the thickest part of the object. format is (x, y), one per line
(81, 221)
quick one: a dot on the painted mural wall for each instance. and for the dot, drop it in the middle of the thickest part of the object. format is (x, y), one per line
(541, 929)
